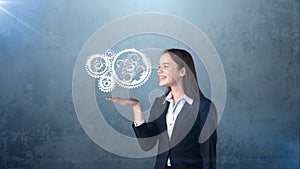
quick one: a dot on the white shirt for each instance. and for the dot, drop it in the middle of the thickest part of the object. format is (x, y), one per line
(173, 111)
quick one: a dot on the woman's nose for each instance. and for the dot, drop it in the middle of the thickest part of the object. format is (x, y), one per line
(159, 70)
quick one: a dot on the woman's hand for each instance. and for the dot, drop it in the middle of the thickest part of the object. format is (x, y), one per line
(124, 101)
(135, 105)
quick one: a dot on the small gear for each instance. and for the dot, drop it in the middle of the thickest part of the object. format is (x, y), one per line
(106, 83)
(110, 53)
(96, 65)
(131, 68)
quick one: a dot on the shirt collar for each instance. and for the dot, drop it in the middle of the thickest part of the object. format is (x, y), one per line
(184, 97)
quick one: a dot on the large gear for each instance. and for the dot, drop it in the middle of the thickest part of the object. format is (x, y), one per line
(131, 68)
(97, 65)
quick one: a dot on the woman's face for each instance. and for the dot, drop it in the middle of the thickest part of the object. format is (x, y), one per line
(168, 72)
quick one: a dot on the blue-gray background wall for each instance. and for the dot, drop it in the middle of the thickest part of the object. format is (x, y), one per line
(258, 43)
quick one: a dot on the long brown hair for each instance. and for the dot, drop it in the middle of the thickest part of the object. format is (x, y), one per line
(190, 82)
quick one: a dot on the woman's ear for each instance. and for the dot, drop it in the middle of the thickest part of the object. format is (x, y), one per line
(182, 72)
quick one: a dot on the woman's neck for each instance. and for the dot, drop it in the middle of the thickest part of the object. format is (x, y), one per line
(177, 93)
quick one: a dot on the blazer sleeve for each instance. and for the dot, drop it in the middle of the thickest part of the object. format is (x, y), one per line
(208, 152)
(147, 133)
(208, 136)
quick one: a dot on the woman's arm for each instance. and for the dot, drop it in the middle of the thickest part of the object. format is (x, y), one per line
(208, 136)
(208, 152)
(145, 132)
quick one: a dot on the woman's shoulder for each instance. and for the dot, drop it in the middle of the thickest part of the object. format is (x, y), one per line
(161, 98)
(206, 104)
(205, 100)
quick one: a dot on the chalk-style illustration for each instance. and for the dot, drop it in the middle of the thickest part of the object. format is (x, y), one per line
(129, 68)
(97, 65)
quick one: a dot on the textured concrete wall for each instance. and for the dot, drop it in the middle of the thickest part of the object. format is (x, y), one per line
(257, 40)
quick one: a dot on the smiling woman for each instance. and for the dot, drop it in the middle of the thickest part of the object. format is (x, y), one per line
(52, 114)
(177, 118)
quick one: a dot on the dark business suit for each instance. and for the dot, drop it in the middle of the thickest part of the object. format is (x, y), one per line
(183, 148)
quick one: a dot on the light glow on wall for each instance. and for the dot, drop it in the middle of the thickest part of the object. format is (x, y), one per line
(14, 17)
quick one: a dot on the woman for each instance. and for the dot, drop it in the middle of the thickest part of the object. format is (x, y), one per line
(183, 121)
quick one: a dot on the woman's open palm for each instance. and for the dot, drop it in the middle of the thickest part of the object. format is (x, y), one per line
(123, 101)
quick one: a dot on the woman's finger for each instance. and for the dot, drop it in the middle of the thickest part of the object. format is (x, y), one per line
(111, 99)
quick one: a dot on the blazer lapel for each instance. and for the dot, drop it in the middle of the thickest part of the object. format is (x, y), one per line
(184, 122)
(161, 109)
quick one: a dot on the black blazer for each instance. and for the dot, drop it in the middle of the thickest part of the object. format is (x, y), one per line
(186, 148)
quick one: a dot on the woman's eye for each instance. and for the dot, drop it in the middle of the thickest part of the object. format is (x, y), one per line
(163, 67)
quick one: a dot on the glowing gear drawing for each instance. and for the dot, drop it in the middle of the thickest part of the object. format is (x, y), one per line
(131, 68)
(128, 68)
(110, 53)
(106, 83)
(96, 65)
